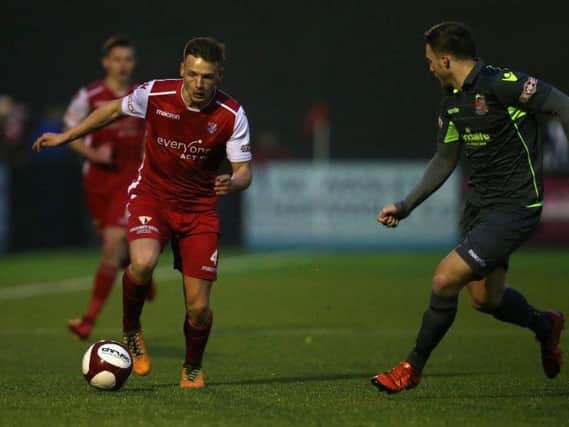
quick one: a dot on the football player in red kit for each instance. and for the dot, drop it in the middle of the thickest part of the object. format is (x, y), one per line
(111, 160)
(190, 126)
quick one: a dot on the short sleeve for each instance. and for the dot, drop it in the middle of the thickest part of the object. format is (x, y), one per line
(135, 103)
(238, 147)
(78, 109)
(520, 90)
(447, 132)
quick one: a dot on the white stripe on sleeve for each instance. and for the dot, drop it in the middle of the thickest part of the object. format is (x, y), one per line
(238, 147)
(136, 103)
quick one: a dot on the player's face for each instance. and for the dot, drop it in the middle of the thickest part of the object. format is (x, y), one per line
(119, 63)
(200, 79)
(438, 65)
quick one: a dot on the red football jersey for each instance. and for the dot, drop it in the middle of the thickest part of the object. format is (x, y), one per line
(126, 137)
(184, 147)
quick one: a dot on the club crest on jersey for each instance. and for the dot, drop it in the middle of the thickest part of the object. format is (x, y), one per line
(530, 88)
(144, 219)
(211, 127)
(480, 105)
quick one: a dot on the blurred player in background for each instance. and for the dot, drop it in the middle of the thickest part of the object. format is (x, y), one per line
(489, 112)
(190, 127)
(111, 160)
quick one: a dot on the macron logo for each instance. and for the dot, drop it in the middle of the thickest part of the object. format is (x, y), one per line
(168, 115)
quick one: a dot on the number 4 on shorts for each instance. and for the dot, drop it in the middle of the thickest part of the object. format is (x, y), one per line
(214, 258)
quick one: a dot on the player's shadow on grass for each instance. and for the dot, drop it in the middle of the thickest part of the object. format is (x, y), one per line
(291, 380)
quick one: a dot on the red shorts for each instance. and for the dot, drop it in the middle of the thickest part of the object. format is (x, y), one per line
(107, 208)
(195, 236)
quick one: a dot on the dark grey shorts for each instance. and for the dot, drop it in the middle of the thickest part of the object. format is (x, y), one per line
(490, 235)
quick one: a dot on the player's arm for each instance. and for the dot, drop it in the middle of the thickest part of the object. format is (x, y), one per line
(101, 155)
(135, 104)
(239, 180)
(438, 170)
(78, 110)
(98, 119)
(557, 103)
(238, 151)
(528, 93)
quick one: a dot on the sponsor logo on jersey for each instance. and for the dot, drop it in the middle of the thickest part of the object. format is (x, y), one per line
(480, 105)
(477, 138)
(211, 127)
(144, 219)
(530, 88)
(454, 110)
(188, 150)
(167, 114)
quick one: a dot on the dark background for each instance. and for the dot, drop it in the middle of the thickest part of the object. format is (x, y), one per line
(365, 59)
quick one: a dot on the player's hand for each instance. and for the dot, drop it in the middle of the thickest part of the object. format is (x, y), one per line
(102, 155)
(388, 216)
(49, 140)
(222, 185)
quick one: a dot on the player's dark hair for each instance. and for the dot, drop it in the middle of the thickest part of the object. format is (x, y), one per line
(453, 38)
(116, 41)
(206, 48)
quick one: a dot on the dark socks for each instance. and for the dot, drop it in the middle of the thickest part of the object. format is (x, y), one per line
(436, 321)
(196, 340)
(133, 297)
(515, 309)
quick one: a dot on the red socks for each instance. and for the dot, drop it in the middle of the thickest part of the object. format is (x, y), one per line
(196, 340)
(102, 285)
(133, 296)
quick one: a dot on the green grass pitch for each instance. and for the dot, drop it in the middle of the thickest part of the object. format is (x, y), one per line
(296, 338)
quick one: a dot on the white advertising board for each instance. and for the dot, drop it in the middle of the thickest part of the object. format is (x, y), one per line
(301, 204)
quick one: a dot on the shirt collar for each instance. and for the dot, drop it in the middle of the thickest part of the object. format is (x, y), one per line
(469, 81)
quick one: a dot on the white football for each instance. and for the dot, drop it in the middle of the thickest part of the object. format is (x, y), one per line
(107, 365)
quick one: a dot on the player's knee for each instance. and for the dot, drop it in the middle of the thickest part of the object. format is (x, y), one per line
(110, 254)
(442, 282)
(198, 312)
(486, 304)
(143, 264)
(479, 304)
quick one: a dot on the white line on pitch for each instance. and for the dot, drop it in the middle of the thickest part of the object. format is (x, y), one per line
(278, 332)
(233, 264)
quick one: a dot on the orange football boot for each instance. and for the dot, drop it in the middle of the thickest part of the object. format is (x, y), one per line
(192, 377)
(137, 348)
(400, 378)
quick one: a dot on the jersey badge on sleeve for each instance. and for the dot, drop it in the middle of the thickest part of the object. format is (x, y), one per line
(480, 105)
(530, 87)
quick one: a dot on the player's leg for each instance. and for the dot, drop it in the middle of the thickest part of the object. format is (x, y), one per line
(451, 275)
(147, 233)
(196, 257)
(144, 255)
(197, 327)
(113, 249)
(492, 296)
